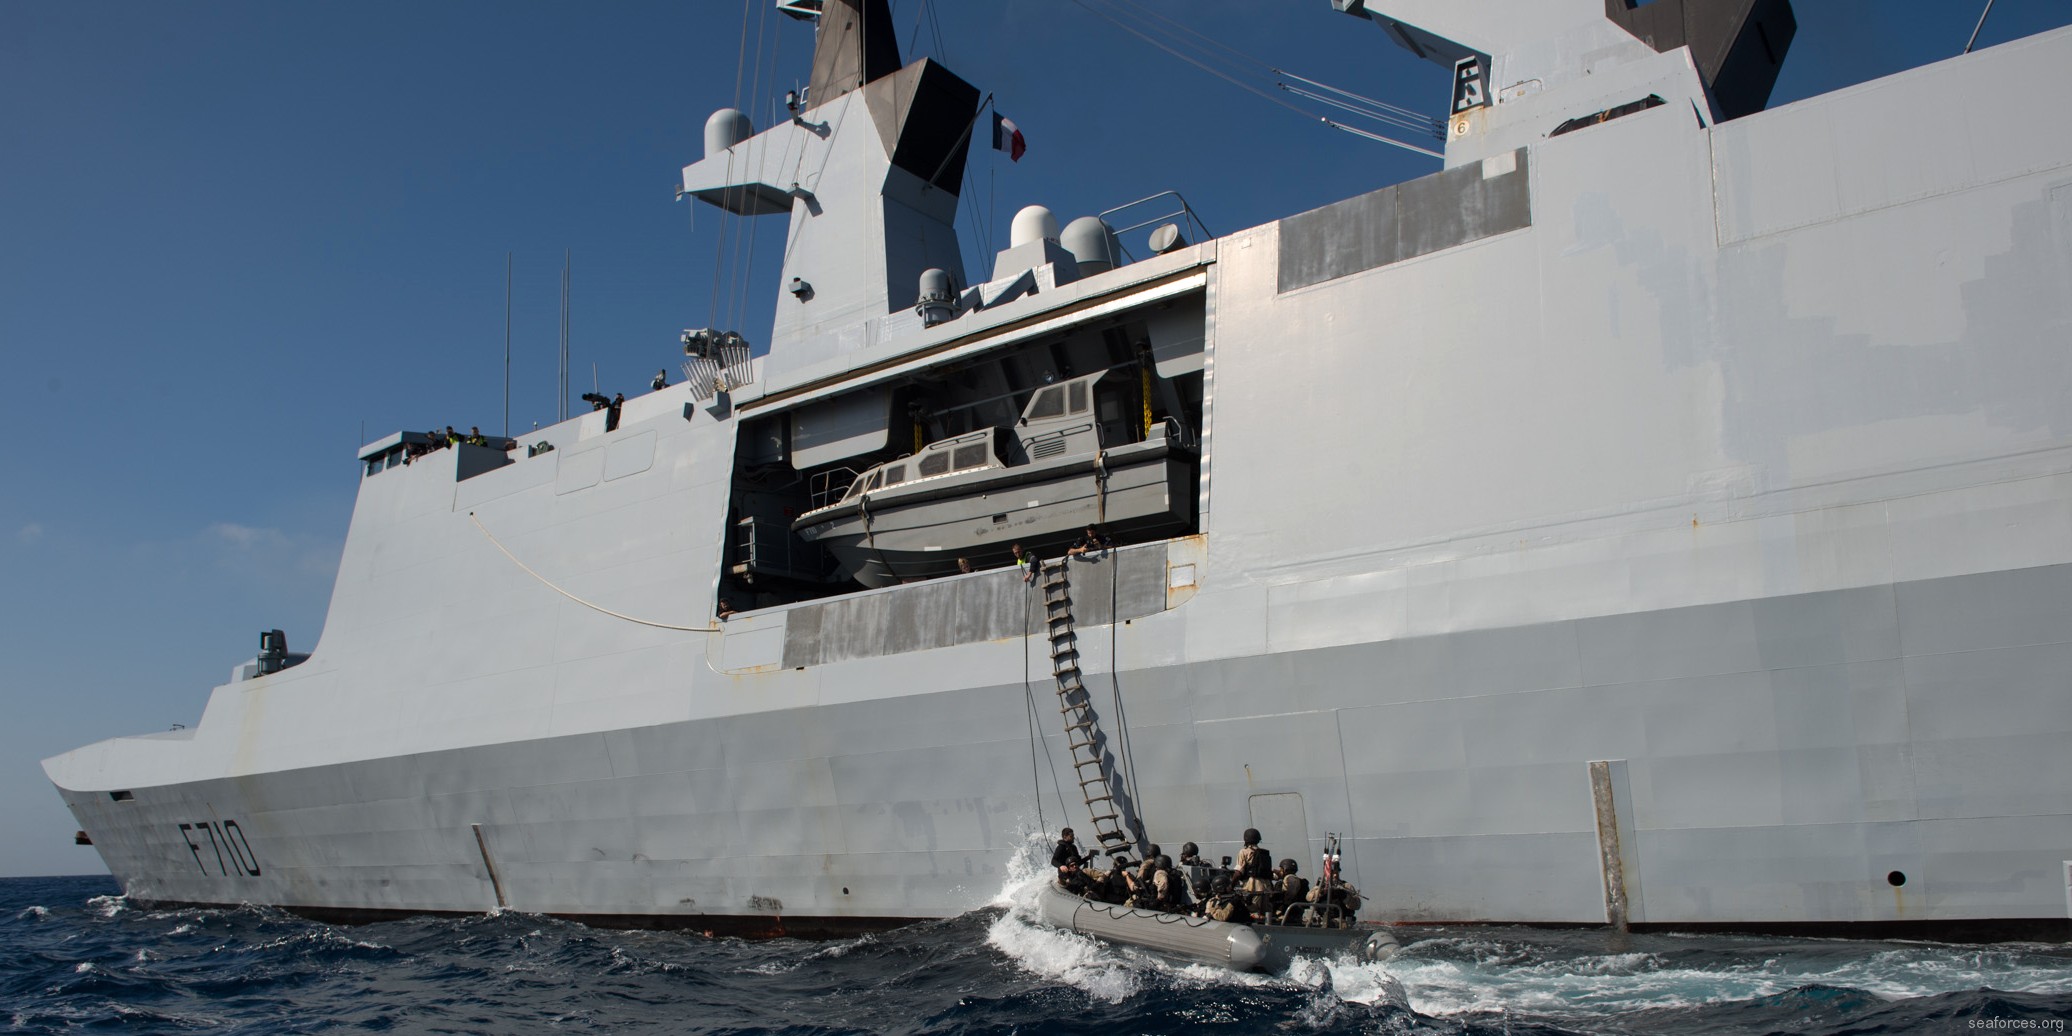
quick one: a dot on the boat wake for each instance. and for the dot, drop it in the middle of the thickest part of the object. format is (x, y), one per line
(1479, 977)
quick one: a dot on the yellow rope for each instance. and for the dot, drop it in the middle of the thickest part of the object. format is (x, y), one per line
(550, 585)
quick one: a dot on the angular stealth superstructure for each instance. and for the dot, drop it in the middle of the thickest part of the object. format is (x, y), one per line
(1691, 544)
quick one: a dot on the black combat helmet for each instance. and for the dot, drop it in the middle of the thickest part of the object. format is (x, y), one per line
(1188, 849)
(1251, 836)
(1153, 852)
(1287, 866)
(1165, 863)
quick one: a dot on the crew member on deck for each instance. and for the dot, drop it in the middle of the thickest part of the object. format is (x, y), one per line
(1091, 543)
(1025, 563)
(661, 379)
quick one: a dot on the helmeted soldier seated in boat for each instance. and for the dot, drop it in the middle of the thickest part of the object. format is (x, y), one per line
(1172, 887)
(1140, 881)
(1151, 886)
(1333, 903)
(1293, 893)
(1073, 879)
(1225, 904)
(1196, 870)
(1115, 886)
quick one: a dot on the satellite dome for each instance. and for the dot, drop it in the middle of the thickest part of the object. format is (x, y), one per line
(725, 129)
(1092, 242)
(1032, 224)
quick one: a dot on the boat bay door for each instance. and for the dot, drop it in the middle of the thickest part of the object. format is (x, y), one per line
(1283, 826)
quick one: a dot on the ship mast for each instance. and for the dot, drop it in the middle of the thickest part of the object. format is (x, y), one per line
(868, 167)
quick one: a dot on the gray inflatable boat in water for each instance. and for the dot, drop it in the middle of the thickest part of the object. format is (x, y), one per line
(1239, 947)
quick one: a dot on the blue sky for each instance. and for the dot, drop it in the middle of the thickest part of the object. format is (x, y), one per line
(239, 239)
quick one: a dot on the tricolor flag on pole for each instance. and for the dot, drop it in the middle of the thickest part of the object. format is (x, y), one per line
(1008, 137)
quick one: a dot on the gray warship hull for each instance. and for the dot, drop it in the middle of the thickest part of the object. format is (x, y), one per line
(1692, 548)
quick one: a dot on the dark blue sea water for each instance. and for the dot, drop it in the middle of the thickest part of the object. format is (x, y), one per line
(74, 957)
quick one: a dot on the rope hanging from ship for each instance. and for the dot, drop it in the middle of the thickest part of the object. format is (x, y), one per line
(549, 584)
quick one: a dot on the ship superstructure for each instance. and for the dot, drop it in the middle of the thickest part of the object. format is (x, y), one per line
(1671, 526)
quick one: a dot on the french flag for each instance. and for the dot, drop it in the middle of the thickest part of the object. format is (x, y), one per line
(1008, 137)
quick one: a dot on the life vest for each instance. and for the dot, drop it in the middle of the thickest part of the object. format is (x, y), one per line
(1254, 862)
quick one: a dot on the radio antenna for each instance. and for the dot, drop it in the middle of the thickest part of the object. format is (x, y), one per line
(561, 403)
(507, 345)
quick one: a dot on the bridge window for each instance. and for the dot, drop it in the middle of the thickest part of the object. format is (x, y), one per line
(1049, 403)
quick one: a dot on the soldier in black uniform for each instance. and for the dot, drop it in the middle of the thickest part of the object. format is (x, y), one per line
(1116, 887)
(1067, 851)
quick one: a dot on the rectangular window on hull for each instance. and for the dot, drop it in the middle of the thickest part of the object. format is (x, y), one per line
(895, 474)
(971, 456)
(934, 464)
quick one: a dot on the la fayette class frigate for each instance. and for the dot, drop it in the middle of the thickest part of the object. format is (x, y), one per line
(1661, 517)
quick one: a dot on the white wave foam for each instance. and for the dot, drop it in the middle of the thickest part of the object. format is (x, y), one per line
(1451, 976)
(34, 913)
(109, 906)
(1360, 982)
(843, 948)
